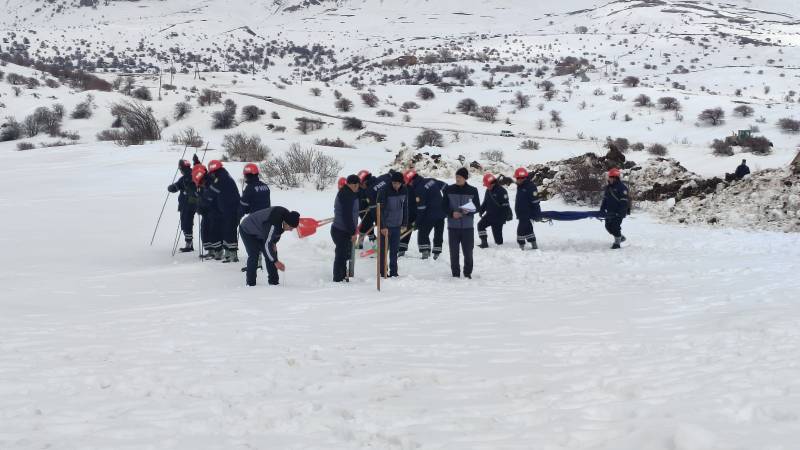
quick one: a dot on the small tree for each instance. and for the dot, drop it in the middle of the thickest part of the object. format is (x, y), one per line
(226, 118)
(467, 106)
(84, 109)
(789, 125)
(370, 99)
(142, 93)
(743, 111)
(714, 116)
(487, 113)
(241, 147)
(316, 92)
(343, 104)
(669, 103)
(631, 81)
(721, 148)
(430, 138)
(642, 100)
(556, 120)
(425, 93)
(529, 144)
(209, 97)
(521, 100)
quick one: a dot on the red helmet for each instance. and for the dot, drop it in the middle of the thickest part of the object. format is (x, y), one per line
(488, 179)
(521, 173)
(363, 174)
(214, 165)
(409, 175)
(614, 173)
(250, 169)
(342, 181)
(198, 172)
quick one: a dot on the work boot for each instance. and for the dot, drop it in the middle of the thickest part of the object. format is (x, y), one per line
(534, 246)
(426, 255)
(231, 256)
(616, 245)
(218, 254)
(209, 254)
(401, 253)
(436, 256)
(521, 246)
(484, 242)
(188, 248)
(623, 238)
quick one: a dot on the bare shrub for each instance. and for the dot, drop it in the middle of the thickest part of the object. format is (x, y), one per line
(251, 113)
(370, 99)
(188, 137)
(669, 103)
(657, 150)
(110, 135)
(226, 118)
(430, 138)
(300, 165)
(409, 105)
(343, 104)
(84, 109)
(789, 125)
(209, 97)
(240, 147)
(758, 145)
(142, 93)
(493, 156)
(743, 111)
(721, 148)
(584, 184)
(306, 125)
(637, 146)
(352, 123)
(556, 120)
(316, 92)
(529, 144)
(22, 146)
(338, 142)
(425, 93)
(467, 106)
(138, 123)
(521, 101)
(643, 100)
(181, 110)
(385, 113)
(487, 113)
(713, 116)
(620, 144)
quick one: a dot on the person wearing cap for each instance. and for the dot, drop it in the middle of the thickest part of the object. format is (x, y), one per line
(615, 206)
(495, 211)
(393, 200)
(345, 225)
(742, 170)
(405, 238)
(527, 208)
(430, 213)
(260, 232)
(226, 200)
(187, 203)
(461, 201)
(256, 194)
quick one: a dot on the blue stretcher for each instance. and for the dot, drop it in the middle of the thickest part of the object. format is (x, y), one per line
(571, 215)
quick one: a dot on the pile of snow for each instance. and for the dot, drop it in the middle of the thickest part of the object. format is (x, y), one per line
(432, 162)
(766, 200)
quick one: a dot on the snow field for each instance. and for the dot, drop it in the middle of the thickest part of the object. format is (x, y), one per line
(685, 340)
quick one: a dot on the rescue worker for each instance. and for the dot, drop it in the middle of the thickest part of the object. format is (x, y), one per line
(256, 194)
(260, 232)
(527, 208)
(226, 196)
(187, 203)
(345, 226)
(742, 170)
(615, 206)
(461, 201)
(495, 211)
(210, 218)
(369, 189)
(394, 221)
(430, 213)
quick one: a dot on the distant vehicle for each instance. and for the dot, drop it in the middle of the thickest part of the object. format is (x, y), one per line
(506, 133)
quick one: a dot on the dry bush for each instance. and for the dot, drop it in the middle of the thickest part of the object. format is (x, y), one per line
(657, 150)
(300, 165)
(188, 137)
(430, 138)
(138, 123)
(338, 142)
(240, 147)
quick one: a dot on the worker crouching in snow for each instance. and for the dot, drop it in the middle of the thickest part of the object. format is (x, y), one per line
(260, 232)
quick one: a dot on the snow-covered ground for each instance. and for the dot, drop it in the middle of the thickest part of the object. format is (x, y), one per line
(687, 339)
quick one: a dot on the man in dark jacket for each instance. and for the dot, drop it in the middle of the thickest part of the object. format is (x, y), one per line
(615, 206)
(187, 203)
(260, 232)
(430, 214)
(370, 187)
(210, 218)
(394, 221)
(527, 207)
(345, 225)
(461, 201)
(495, 211)
(256, 195)
(742, 170)
(227, 199)
(408, 177)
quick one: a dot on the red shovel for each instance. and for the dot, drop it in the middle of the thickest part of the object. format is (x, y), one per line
(309, 226)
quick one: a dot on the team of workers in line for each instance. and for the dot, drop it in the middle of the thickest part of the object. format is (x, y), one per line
(408, 202)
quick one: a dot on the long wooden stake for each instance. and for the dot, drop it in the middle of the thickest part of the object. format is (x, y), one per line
(378, 260)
